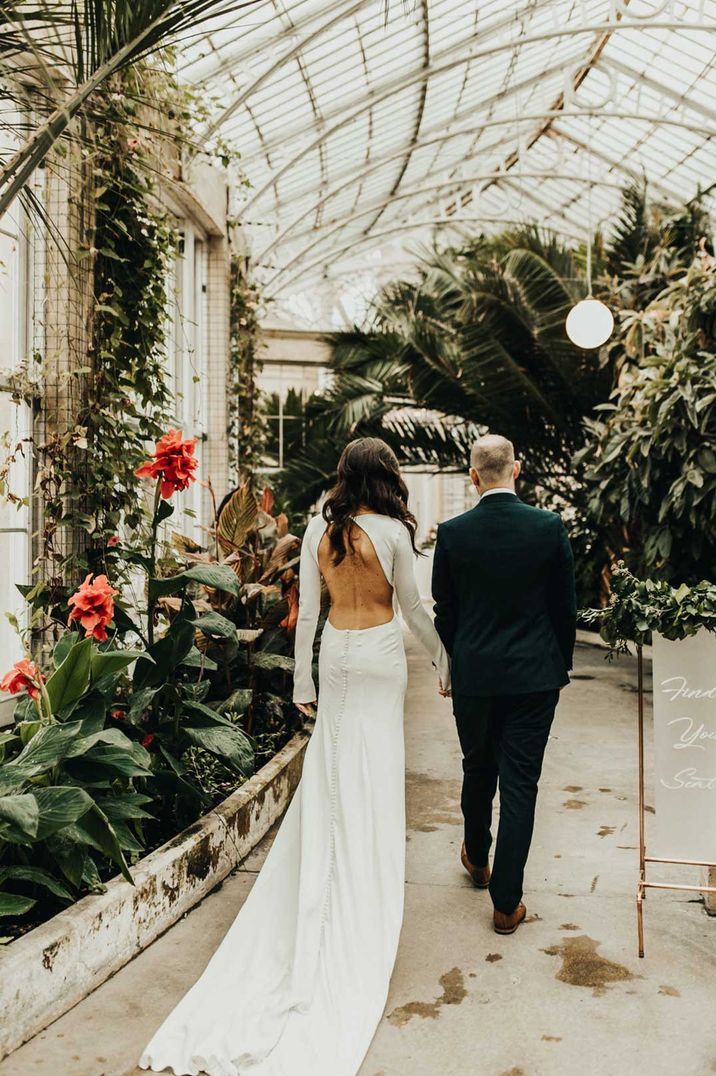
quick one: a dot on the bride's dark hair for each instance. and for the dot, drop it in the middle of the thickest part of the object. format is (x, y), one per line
(368, 477)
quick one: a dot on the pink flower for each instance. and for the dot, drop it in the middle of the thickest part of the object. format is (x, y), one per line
(93, 606)
(24, 675)
(117, 714)
(113, 541)
(173, 463)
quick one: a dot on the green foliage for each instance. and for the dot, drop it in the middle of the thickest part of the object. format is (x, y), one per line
(478, 342)
(128, 401)
(638, 607)
(247, 431)
(651, 461)
(96, 42)
(123, 746)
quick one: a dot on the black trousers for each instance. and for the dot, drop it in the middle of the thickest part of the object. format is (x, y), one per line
(503, 740)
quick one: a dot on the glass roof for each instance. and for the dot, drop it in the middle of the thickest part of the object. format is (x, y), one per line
(366, 128)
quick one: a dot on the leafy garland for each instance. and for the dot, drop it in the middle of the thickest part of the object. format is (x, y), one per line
(248, 428)
(638, 607)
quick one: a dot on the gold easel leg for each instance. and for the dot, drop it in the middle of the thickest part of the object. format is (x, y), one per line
(640, 920)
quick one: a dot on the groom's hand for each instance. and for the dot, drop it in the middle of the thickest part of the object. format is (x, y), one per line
(444, 691)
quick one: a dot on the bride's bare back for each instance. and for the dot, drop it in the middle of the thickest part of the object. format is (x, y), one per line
(361, 596)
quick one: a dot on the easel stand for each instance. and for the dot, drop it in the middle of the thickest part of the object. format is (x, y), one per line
(643, 857)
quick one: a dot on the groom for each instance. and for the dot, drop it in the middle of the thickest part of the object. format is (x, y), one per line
(503, 586)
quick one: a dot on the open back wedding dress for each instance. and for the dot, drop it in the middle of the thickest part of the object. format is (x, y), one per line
(298, 985)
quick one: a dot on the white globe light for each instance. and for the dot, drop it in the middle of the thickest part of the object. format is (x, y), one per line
(589, 323)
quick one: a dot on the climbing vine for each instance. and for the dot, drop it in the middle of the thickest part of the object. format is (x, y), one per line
(248, 426)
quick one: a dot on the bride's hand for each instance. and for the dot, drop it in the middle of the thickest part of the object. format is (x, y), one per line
(306, 708)
(444, 691)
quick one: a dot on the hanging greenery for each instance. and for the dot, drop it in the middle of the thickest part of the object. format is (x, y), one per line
(248, 426)
(650, 464)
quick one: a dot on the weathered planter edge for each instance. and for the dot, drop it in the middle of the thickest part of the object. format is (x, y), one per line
(49, 970)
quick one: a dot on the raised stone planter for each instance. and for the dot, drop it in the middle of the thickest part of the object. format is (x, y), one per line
(46, 972)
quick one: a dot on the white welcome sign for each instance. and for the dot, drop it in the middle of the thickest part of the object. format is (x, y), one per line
(685, 748)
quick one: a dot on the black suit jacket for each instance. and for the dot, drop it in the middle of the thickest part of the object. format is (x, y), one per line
(505, 607)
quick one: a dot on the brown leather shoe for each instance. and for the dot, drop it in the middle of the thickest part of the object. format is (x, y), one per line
(508, 924)
(480, 875)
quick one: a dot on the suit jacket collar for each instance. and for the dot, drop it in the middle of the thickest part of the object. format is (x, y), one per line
(496, 498)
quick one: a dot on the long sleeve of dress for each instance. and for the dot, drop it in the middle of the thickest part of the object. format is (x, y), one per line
(309, 607)
(412, 608)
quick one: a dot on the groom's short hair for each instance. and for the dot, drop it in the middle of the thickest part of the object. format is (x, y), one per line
(493, 457)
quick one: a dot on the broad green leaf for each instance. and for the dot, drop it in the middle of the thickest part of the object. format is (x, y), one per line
(96, 830)
(263, 659)
(218, 576)
(69, 682)
(60, 806)
(13, 904)
(128, 763)
(237, 702)
(162, 588)
(70, 854)
(38, 876)
(229, 744)
(206, 715)
(48, 746)
(168, 652)
(63, 647)
(108, 662)
(21, 814)
(216, 624)
(195, 660)
(128, 840)
(125, 805)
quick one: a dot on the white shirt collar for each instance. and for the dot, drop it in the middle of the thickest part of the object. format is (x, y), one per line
(497, 489)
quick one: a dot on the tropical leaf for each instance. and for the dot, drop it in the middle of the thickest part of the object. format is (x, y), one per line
(214, 624)
(13, 904)
(229, 743)
(19, 816)
(60, 806)
(95, 829)
(237, 517)
(37, 876)
(71, 679)
(104, 39)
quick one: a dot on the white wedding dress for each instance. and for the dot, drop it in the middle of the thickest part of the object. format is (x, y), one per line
(298, 985)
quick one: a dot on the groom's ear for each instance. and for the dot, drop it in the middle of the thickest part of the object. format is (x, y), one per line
(474, 479)
(516, 469)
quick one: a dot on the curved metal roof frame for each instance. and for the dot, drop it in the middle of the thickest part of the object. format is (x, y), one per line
(359, 121)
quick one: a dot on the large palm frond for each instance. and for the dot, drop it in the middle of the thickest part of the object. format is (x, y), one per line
(88, 41)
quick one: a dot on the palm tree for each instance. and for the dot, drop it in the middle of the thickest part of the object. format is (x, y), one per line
(87, 42)
(478, 342)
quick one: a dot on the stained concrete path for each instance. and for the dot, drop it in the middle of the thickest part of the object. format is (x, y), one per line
(566, 995)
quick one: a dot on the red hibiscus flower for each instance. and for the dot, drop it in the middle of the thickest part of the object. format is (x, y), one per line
(117, 714)
(113, 541)
(148, 740)
(93, 606)
(23, 676)
(173, 463)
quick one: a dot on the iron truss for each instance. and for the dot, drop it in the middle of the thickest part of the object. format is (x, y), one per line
(367, 125)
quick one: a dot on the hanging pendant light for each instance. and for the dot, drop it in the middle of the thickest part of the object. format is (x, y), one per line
(590, 323)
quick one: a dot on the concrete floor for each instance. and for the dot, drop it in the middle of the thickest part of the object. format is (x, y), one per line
(566, 995)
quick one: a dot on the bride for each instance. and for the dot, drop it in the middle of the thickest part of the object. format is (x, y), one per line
(299, 983)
